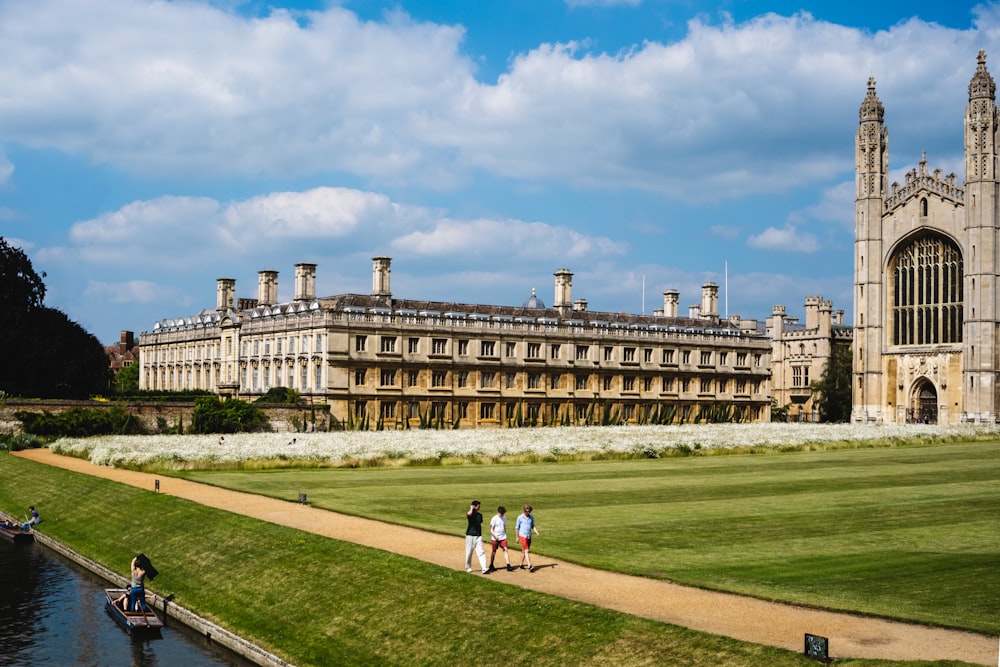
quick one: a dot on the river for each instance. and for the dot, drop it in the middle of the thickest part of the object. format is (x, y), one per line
(52, 613)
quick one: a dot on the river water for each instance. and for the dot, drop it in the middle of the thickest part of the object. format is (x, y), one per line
(52, 613)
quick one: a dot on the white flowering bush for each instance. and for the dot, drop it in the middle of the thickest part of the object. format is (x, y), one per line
(358, 447)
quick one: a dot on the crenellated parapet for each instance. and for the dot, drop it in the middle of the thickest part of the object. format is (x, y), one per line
(919, 180)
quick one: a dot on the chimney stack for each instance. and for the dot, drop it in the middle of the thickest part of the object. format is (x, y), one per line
(267, 288)
(564, 287)
(225, 294)
(671, 299)
(710, 301)
(380, 276)
(305, 282)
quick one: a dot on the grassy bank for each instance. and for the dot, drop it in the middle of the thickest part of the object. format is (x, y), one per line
(909, 532)
(317, 601)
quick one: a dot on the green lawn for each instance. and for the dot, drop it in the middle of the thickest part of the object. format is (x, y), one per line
(317, 601)
(904, 532)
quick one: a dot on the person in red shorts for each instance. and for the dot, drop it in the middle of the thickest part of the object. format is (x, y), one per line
(525, 527)
(498, 531)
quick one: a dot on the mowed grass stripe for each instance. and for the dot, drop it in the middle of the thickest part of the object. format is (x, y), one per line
(902, 532)
(317, 601)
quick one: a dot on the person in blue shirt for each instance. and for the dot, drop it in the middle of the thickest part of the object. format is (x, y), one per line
(525, 526)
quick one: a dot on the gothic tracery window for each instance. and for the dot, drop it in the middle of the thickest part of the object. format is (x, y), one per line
(926, 277)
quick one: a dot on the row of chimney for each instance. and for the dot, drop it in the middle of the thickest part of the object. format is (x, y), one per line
(305, 290)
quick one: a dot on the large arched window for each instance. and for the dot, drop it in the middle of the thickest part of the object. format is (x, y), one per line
(926, 277)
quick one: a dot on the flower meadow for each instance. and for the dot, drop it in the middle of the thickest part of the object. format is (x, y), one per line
(347, 448)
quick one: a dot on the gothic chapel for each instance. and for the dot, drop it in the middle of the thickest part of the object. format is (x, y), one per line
(926, 264)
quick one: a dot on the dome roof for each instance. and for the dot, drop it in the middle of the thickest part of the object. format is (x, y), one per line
(534, 301)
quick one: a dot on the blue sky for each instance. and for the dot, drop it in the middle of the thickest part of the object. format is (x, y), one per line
(149, 148)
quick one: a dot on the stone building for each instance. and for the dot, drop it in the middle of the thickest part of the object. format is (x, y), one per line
(926, 265)
(800, 353)
(398, 360)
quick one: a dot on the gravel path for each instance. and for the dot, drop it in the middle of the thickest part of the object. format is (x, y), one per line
(724, 614)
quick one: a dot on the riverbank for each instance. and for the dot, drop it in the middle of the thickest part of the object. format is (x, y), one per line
(729, 615)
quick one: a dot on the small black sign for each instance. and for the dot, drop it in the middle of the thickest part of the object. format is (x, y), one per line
(817, 647)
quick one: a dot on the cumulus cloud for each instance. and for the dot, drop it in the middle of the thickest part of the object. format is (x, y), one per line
(787, 238)
(6, 168)
(132, 291)
(729, 109)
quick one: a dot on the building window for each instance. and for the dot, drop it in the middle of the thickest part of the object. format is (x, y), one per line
(463, 348)
(686, 357)
(554, 380)
(486, 410)
(668, 356)
(741, 387)
(389, 410)
(510, 380)
(756, 387)
(256, 348)
(463, 410)
(647, 355)
(628, 354)
(438, 378)
(360, 409)
(318, 384)
(534, 380)
(706, 358)
(647, 384)
(510, 410)
(685, 385)
(411, 378)
(581, 381)
(360, 342)
(607, 382)
(439, 345)
(741, 358)
(581, 412)
(413, 410)
(387, 378)
(554, 351)
(534, 350)
(486, 379)
(510, 349)
(608, 353)
(582, 352)
(487, 348)
(723, 358)
(668, 384)
(388, 343)
(706, 386)
(628, 383)
(304, 376)
(628, 412)
(413, 345)
(359, 377)
(757, 360)
(800, 376)
(723, 386)
(462, 378)
(925, 280)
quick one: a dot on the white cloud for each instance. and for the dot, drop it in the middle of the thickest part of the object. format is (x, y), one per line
(132, 291)
(6, 168)
(787, 238)
(508, 238)
(730, 109)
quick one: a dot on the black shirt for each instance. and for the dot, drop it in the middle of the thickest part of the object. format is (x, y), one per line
(475, 524)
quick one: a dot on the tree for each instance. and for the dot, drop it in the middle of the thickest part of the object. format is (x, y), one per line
(43, 354)
(126, 382)
(833, 389)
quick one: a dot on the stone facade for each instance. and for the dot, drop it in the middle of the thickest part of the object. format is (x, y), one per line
(397, 360)
(927, 313)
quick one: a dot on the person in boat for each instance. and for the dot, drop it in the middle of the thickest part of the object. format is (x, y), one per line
(33, 519)
(141, 568)
(122, 601)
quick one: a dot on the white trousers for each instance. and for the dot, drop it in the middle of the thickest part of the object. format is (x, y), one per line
(474, 543)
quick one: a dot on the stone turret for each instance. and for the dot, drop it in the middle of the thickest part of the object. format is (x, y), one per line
(671, 299)
(305, 282)
(267, 288)
(380, 276)
(225, 294)
(564, 288)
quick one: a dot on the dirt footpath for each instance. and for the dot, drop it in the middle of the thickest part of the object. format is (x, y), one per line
(717, 613)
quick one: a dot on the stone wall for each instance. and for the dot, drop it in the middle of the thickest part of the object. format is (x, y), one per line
(283, 418)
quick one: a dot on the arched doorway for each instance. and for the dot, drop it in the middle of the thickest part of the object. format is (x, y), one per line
(924, 404)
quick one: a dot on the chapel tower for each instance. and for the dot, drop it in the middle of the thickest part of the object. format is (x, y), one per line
(980, 355)
(871, 150)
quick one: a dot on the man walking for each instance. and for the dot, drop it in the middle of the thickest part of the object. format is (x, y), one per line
(474, 538)
(498, 533)
(525, 527)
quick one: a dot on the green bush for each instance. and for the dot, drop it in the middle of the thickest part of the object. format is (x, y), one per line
(280, 395)
(80, 423)
(211, 415)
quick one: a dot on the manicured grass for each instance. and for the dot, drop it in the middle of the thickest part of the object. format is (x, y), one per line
(317, 601)
(910, 533)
